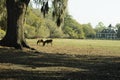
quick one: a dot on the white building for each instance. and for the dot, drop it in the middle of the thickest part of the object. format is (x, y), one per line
(109, 33)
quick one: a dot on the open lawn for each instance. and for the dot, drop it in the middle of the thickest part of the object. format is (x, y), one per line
(66, 59)
(80, 47)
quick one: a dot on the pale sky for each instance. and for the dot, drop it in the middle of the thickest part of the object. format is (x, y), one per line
(94, 11)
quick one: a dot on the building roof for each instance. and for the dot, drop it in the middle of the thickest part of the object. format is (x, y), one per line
(108, 31)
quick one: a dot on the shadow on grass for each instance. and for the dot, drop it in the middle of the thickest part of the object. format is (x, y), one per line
(29, 65)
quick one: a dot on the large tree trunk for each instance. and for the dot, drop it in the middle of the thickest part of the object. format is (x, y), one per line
(14, 37)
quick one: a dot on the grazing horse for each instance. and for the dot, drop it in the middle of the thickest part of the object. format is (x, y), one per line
(49, 41)
(39, 41)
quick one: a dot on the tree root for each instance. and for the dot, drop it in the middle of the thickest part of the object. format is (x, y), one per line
(16, 45)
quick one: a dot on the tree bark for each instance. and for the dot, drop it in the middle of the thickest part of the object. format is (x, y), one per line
(14, 37)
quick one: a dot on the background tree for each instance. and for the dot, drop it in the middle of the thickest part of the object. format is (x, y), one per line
(44, 27)
(72, 29)
(118, 32)
(117, 25)
(16, 10)
(89, 31)
(99, 27)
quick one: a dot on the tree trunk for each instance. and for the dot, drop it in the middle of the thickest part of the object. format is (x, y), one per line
(14, 37)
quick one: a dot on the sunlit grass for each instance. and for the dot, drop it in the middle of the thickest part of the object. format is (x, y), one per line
(82, 47)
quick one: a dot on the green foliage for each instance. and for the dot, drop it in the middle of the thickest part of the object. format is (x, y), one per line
(44, 27)
(38, 26)
(29, 31)
(43, 31)
(99, 27)
(3, 16)
(72, 29)
(117, 25)
(57, 34)
(2, 6)
(2, 33)
(58, 9)
(33, 19)
(89, 31)
(118, 33)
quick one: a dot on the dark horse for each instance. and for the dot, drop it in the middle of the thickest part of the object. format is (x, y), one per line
(39, 41)
(49, 41)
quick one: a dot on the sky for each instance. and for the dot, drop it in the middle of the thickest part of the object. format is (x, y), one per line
(94, 11)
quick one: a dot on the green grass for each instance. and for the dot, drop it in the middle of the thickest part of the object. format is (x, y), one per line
(76, 46)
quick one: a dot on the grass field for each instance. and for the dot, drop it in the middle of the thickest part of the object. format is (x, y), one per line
(66, 59)
(81, 47)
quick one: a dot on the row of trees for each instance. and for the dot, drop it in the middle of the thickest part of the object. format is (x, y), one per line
(46, 27)
(36, 26)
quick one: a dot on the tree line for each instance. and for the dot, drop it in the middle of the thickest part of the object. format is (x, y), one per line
(36, 26)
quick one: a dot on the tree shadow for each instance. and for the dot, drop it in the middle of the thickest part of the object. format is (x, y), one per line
(29, 65)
